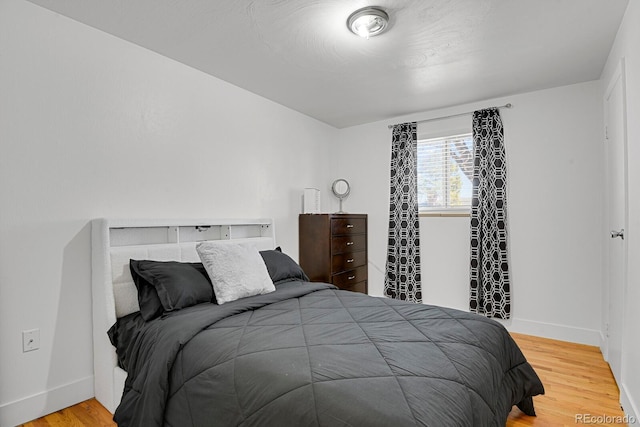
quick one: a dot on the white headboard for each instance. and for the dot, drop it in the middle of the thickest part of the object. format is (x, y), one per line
(114, 243)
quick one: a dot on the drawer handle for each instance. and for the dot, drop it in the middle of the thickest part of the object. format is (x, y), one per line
(351, 277)
(349, 225)
(350, 260)
(349, 243)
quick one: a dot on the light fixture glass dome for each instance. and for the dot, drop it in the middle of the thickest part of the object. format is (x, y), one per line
(368, 21)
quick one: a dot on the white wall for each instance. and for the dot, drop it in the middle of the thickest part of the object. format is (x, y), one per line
(93, 126)
(553, 144)
(627, 46)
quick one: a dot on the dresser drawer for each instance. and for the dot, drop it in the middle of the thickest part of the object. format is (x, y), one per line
(348, 261)
(342, 226)
(349, 278)
(343, 244)
(356, 287)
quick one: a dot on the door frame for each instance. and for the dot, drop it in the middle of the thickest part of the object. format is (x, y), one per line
(618, 75)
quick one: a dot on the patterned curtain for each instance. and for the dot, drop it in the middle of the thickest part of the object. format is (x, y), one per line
(490, 288)
(402, 280)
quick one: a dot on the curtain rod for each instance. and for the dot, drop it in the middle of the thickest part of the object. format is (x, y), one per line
(507, 105)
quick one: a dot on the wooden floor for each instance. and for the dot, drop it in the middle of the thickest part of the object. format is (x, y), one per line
(576, 378)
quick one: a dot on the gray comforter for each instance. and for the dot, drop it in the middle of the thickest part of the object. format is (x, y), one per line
(309, 355)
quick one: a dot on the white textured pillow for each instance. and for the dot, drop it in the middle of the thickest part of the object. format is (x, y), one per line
(236, 270)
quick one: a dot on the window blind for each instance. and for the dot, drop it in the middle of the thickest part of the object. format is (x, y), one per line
(445, 169)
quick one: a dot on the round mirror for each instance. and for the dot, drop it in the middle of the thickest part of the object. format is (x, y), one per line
(341, 190)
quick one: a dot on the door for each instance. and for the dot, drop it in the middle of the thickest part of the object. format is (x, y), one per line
(616, 200)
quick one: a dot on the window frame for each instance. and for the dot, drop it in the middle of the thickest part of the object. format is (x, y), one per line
(444, 211)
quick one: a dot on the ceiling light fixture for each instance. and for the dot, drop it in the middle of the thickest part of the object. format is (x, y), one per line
(368, 22)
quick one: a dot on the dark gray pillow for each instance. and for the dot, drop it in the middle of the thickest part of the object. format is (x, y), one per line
(282, 268)
(165, 286)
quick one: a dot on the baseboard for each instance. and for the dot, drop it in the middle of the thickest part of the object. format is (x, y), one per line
(554, 331)
(40, 404)
(630, 407)
(604, 346)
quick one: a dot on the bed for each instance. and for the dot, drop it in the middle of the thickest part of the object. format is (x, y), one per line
(299, 354)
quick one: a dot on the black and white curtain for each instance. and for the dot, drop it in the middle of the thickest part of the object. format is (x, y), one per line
(402, 279)
(490, 287)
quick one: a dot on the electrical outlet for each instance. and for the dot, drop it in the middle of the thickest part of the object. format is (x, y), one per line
(30, 340)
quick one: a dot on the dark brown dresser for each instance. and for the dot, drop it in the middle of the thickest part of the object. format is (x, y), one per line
(333, 249)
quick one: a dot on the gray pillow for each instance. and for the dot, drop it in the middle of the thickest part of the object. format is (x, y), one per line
(282, 268)
(165, 286)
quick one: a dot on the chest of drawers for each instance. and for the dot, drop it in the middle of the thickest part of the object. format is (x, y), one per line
(333, 249)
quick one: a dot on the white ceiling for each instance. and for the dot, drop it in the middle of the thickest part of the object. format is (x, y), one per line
(438, 53)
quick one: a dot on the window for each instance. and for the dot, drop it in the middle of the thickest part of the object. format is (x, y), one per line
(445, 170)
